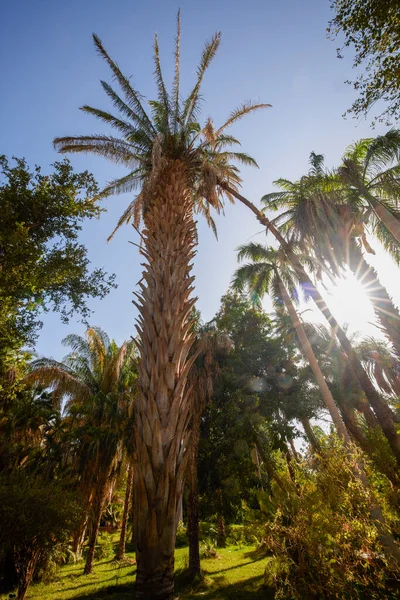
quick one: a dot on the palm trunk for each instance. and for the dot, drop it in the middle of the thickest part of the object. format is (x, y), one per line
(382, 410)
(163, 404)
(312, 438)
(98, 506)
(193, 500)
(319, 376)
(271, 471)
(128, 496)
(390, 222)
(386, 312)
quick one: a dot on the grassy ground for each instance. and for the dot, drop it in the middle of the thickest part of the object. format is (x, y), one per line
(237, 574)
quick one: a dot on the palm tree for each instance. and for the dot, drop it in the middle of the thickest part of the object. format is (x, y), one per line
(98, 381)
(177, 165)
(382, 411)
(268, 272)
(325, 218)
(371, 169)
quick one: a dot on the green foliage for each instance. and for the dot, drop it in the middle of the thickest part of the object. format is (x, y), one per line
(323, 541)
(181, 535)
(372, 28)
(36, 516)
(105, 547)
(42, 264)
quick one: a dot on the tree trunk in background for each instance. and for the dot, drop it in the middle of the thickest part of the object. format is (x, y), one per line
(80, 533)
(390, 222)
(98, 507)
(312, 438)
(380, 407)
(385, 311)
(305, 346)
(269, 467)
(193, 500)
(163, 404)
(25, 569)
(128, 496)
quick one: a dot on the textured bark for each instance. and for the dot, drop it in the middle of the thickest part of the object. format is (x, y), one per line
(312, 438)
(163, 404)
(193, 501)
(381, 409)
(319, 376)
(385, 311)
(128, 496)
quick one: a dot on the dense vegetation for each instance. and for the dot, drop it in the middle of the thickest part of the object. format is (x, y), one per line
(257, 429)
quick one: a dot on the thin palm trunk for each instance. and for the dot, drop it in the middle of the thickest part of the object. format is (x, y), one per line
(312, 438)
(128, 496)
(319, 376)
(163, 404)
(390, 222)
(98, 507)
(271, 471)
(380, 407)
(193, 500)
(386, 312)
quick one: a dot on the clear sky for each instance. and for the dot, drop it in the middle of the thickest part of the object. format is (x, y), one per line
(274, 52)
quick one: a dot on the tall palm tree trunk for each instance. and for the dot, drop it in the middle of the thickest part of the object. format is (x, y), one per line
(382, 410)
(128, 496)
(319, 376)
(386, 312)
(193, 500)
(163, 404)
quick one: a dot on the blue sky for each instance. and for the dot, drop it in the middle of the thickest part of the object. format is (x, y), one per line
(270, 52)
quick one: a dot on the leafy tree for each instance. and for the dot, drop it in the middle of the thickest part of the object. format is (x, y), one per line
(178, 166)
(35, 516)
(372, 28)
(42, 264)
(269, 273)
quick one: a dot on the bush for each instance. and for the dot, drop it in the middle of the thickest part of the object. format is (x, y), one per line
(323, 540)
(36, 516)
(105, 547)
(181, 536)
(245, 535)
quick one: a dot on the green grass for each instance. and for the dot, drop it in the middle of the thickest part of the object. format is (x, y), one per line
(237, 574)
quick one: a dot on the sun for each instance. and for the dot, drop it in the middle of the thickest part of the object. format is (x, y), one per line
(349, 303)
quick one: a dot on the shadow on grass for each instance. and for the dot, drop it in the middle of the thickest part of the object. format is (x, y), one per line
(249, 589)
(114, 592)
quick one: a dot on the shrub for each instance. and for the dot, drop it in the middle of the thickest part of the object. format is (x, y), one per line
(323, 540)
(36, 516)
(181, 536)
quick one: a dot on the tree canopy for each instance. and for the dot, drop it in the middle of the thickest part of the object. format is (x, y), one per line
(372, 28)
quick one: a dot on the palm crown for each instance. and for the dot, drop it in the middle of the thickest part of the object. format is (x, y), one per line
(171, 131)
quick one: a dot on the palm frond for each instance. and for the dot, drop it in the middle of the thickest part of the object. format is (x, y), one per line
(191, 103)
(175, 85)
(132, 97)
(239, 113)
(115, 149)
(163, 104)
